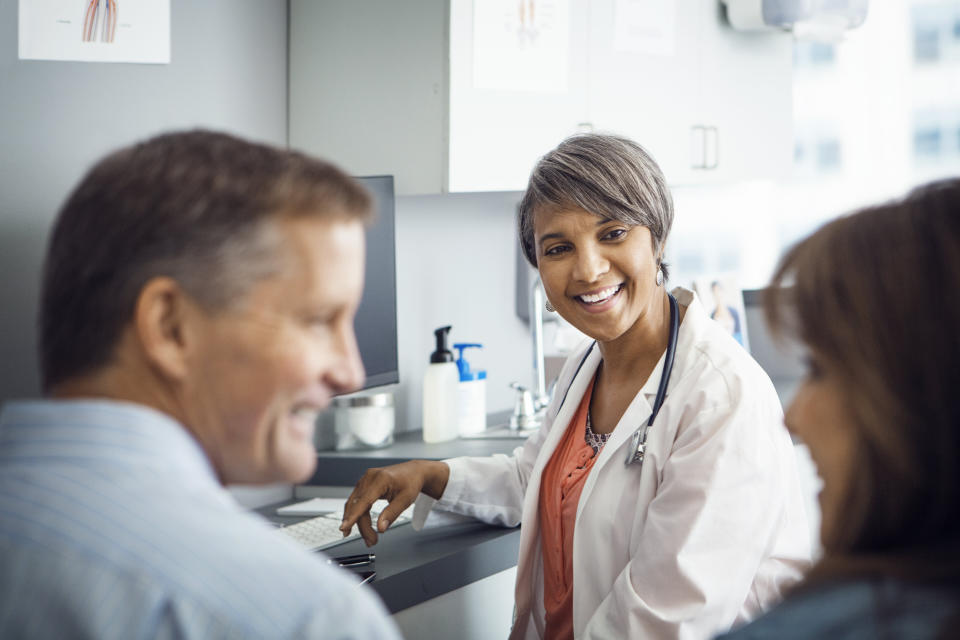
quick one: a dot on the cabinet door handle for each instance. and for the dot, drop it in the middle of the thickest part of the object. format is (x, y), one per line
(716, 148)
(698, 147)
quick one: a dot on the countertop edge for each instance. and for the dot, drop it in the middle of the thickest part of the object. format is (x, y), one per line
(455, 571)
(416, 566)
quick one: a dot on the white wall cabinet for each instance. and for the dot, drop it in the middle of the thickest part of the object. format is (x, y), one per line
(381, 86)
(745, 87)
(497, 134)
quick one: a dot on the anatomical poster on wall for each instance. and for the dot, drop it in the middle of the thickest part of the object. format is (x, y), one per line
(95, 30)
(521, 45)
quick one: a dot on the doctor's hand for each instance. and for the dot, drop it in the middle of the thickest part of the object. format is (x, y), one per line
(399, 484)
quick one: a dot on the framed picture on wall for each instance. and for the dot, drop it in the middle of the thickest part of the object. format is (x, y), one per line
(722, 298)
(95, 30)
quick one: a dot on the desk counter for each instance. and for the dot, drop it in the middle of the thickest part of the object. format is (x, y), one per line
(413, 567)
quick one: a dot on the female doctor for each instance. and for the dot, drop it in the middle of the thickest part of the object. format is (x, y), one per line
(660, 498)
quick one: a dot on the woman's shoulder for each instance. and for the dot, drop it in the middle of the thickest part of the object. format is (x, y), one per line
(855, 609)
(712, 359)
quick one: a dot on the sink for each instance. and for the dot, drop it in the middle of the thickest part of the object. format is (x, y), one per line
(498, 427)
(502, 431)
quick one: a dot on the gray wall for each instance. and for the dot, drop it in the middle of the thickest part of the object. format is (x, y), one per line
(455, 253)
(456, 266)
(228, 71)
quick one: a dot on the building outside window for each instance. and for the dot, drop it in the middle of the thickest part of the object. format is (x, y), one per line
(874, 115)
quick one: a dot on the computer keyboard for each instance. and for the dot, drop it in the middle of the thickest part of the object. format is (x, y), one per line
(323, 532)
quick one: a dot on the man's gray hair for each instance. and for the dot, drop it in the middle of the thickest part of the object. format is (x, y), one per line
(199, 207)
(606, 175)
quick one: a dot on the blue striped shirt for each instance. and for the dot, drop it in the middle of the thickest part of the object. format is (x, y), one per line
(113, 525)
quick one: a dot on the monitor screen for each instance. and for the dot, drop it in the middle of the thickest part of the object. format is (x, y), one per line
(782, 359)
(376, 321)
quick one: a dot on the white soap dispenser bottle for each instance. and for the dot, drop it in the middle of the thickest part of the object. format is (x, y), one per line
(440, 388)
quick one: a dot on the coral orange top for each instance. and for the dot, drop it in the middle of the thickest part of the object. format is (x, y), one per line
(560, 488)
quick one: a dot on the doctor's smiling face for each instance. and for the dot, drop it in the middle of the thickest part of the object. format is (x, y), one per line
(599, 274)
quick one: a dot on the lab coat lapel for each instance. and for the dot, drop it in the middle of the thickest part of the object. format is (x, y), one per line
(530, 529)
(577, 387)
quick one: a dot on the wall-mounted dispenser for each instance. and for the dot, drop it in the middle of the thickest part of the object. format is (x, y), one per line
(819, 20)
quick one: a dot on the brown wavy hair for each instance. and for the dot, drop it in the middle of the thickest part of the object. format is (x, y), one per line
(876, 294)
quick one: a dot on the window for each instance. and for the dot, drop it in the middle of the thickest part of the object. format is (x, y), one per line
(818, 148)
(936, 32)
(828, 154)
(874, 115)
(927, 142)
(821, 53)
(926, 44)
(813, 54)
(936, 138)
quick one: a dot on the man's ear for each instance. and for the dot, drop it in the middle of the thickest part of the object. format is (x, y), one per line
(162, 322)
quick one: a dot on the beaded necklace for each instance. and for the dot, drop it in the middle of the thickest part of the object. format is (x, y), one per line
(595, 440)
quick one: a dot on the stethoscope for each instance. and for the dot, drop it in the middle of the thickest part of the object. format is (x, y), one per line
(638, 442)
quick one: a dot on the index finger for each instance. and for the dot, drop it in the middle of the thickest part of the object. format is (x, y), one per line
(360, 502)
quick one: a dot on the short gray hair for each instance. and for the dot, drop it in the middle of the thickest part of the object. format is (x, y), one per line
(607, 175)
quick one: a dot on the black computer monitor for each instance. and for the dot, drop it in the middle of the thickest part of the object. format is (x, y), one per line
(782, 359)
(376, 321)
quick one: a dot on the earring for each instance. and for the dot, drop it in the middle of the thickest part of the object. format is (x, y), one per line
(549, 306)
(659, 277)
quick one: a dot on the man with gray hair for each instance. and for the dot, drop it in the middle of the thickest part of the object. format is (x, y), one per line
(196, 314)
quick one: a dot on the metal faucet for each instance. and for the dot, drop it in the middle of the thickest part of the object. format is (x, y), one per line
(529, 408)
(537, 298)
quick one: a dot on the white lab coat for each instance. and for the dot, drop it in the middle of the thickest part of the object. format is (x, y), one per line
(704, 535)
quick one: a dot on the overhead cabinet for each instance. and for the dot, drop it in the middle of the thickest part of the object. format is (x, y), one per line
(456, 95)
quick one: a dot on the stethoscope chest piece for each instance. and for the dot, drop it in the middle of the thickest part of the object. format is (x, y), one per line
(638, 446)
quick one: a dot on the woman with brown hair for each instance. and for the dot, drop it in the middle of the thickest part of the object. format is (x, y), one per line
(874, 297)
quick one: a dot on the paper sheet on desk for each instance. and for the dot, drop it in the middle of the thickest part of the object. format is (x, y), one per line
(323, 506)
(312, 507)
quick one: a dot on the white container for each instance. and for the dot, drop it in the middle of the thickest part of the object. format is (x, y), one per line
(472, 414)
(364, 421)
(440, 394)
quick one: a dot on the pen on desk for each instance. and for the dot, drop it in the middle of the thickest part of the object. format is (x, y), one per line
(354, 561)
